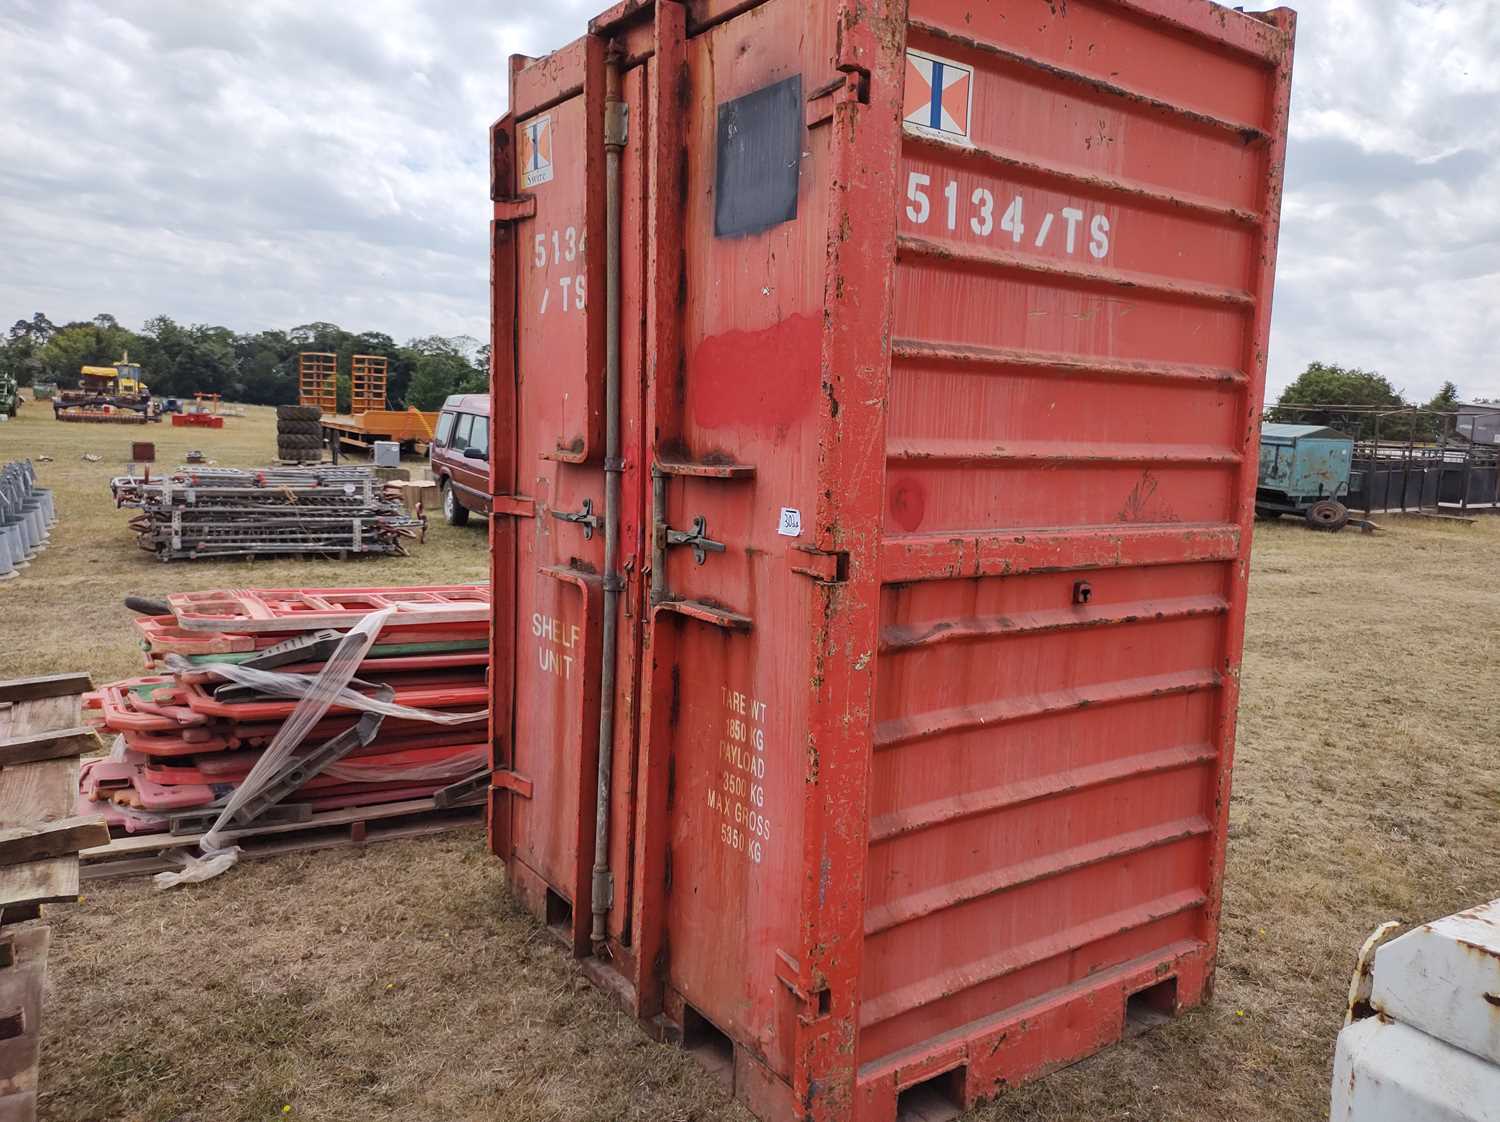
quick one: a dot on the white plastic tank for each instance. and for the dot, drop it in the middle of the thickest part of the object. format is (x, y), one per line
(387, 454)
(1425, 1044)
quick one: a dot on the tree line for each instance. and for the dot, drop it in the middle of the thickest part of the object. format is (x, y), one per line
(1372, 396)
(259, 368)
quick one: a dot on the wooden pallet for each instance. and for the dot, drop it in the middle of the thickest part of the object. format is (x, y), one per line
(137, 854)
(40, 742)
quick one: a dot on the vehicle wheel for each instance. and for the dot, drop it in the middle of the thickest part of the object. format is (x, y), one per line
(1329, 515)
(298, 428)
(1265, 514)
(298, 413)
(299, 448)
(300, 440)
(454, 511)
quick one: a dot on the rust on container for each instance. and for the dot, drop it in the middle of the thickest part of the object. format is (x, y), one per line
(940, 357)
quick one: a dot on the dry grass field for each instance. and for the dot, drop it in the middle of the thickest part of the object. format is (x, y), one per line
(401, 983)
(67, 611)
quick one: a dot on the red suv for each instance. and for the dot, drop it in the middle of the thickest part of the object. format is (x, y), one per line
(460, 456)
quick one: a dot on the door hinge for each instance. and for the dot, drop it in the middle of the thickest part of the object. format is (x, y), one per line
(824, 567)
(463, 791)
(515, 209)
(851, 86)
(514, 782)
(616, 124)
(604, 888)
(512, 506)
(812, 1004)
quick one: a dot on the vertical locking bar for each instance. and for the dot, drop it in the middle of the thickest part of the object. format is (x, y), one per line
(615, 120)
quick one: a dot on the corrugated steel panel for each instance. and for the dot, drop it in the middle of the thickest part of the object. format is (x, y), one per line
(949, 328)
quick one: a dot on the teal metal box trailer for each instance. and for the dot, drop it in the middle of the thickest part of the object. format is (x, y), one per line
(1304, 469)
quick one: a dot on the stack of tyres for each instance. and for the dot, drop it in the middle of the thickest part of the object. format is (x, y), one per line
(299, 436)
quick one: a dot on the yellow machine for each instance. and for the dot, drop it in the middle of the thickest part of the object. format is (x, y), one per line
(123, 379)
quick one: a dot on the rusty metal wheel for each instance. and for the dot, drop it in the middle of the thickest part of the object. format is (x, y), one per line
(1328, 515)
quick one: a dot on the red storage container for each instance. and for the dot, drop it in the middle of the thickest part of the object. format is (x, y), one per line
(876, 391)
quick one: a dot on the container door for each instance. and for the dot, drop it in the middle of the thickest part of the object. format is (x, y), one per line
(549, 506)
(736, 406)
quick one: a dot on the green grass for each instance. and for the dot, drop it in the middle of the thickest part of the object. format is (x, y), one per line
(66, 612)
(403, 983)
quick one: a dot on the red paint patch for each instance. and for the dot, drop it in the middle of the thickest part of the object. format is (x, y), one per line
(908, 503)
(755, 379)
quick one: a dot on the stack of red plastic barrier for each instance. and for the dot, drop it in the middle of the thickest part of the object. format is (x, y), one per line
(187, 736)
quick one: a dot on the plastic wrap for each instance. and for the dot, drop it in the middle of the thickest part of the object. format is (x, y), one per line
(282, 684)
(317, 695)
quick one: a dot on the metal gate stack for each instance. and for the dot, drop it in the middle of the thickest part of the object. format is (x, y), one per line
(221, 667)
(225, 512)
(26, 515)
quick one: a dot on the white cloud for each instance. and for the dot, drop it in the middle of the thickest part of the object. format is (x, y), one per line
(255, 165)
(266, 164)
(1390, 240)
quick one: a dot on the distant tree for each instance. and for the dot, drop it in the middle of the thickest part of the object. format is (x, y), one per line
(38, 329)
(21, 352)
(399, 365)
(441, 368)
(1435, 424)
(1328, 384)
(20, 358)
(266, 368)
(259, 368)
(76, 345)
(1445, 400)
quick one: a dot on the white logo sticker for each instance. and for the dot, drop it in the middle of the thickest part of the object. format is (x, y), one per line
(939, 95)
(536, 151)
(790, 525)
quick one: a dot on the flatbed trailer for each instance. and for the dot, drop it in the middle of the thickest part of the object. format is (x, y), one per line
(411, 428)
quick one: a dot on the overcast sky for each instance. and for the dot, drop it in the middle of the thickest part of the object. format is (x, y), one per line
(267, 163)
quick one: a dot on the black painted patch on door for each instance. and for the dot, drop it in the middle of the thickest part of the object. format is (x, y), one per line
(759, 157)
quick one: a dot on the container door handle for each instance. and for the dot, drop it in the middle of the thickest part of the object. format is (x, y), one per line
(585, 518)
(697, 537)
